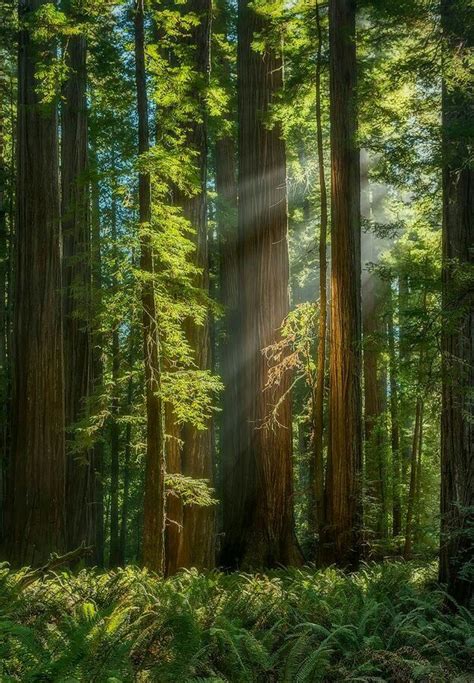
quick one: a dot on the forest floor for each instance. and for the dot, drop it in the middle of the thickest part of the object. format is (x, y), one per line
(384, 623)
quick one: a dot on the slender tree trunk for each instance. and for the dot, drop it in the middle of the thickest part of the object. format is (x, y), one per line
(114, 410)
(317, 517)
(418, 491)
(126, 463)
(412, 490)
(457, 426)
(154, 503)
(97, 366)
(37, 475)
(395, 426)
(345, 450)
(197, 540)
(374, 400)
(76, 288)
(261, 531)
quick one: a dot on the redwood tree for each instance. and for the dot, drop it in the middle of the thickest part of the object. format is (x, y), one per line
(457, 433)
(153, 515)
(260, 530)
(195, 542)
(76, 286)
(37, 475)
(345, 447)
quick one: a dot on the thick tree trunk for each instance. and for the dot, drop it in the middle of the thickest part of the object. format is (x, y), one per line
(76, 289)
(260, 533)
(226, 186)
(37, 476)
(345, 449)
(154, 502)
(457, 426)
(317, 513)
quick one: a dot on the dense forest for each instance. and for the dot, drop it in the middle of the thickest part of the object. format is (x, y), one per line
(236, 340)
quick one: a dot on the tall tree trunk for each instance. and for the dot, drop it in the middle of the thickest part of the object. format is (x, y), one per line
(154, 502)
(114, 554)
(226, 186)
(76, 288)
(97, 365)
(395, 425)
(261, 532)
(4, 329)
(126, 462)
(37, 475)
(197, 539)
(457, 426)
(374, 400)
(345, 449)
(317, 516)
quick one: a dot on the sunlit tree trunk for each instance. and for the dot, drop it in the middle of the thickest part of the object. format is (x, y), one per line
(76, 287)
(37, 477)
(154, 503)
(261, 530)
(317, 516)
(345, 448)
(457, 425)
(197, 537)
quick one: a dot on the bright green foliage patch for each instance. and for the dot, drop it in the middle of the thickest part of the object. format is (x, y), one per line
(382, 624)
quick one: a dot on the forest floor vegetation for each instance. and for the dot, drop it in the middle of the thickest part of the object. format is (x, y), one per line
(384, 623)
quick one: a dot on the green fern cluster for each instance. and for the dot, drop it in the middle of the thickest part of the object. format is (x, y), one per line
(384, 623)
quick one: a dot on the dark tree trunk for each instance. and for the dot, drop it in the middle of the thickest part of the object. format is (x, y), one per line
(76, 289)
(154, 502)
(260, 532)
(457, 426)
(345, 449)
(4, 331)
(37, 475)
(317, 512)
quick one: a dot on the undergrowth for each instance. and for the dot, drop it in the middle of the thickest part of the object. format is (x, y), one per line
(384, 623)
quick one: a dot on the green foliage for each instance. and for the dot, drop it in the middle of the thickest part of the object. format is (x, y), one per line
(383, 623)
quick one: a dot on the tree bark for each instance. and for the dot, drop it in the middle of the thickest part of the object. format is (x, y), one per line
(154, 502)
(197, 538)
(37, 477)
(345, 449)
(457, 425)
(76, 289)
(317, 512)
(260, 533)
